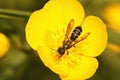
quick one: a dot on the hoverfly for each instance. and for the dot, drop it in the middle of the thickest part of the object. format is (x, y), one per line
(69, 42)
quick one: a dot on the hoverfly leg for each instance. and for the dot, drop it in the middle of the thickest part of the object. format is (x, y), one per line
(53, 49)
(74, 46)
(67, 52)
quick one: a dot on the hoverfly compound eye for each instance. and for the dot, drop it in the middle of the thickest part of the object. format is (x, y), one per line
(61, 50)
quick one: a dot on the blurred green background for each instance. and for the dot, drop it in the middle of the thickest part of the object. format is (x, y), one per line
(23, 63)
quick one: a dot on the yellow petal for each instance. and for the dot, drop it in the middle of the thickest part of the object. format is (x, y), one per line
(65, 10)
(111, 14)
(4, 44)
(96, 42)
(84, 70)
(72, 67)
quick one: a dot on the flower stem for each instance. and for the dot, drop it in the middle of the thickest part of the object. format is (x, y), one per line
(6, 13)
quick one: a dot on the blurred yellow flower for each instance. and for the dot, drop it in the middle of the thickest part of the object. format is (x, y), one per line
(4, 44)
(114, 47)
(111, 14)
(45, 33)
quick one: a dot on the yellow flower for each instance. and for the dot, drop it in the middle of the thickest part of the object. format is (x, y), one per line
(111, 14)
(45, 33)
(114, 47)
(4, 44)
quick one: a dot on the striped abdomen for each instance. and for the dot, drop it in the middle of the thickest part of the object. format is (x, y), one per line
(76, 32)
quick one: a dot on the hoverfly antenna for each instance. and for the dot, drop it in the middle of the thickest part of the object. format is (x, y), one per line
(53, 49)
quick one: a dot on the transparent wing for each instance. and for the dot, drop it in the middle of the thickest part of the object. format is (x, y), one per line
(80, 39)
(69, 29)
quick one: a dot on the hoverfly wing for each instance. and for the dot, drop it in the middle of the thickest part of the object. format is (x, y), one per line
(69, 29)
(80, 39)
